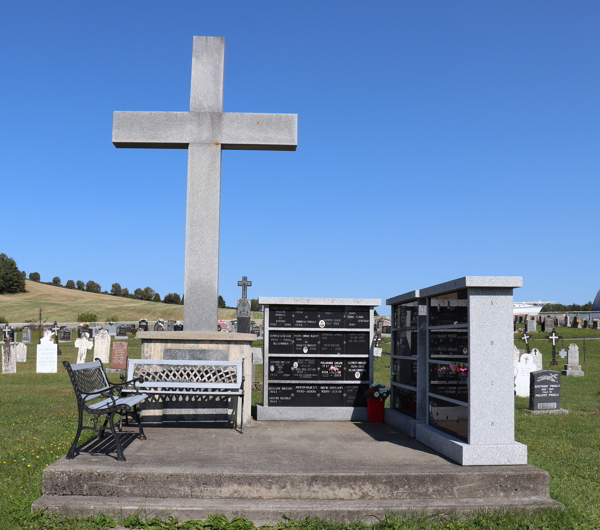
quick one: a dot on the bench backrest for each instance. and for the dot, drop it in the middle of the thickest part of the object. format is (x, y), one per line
(212, 374)
(88, 378)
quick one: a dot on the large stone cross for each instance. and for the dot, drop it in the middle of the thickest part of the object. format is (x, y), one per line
(204, 131)
(244, 284)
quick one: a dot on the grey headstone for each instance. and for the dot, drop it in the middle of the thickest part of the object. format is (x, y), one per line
(531, 326)
(171, 325)
(9, 359)
(102, 346)
(26, 335)
(65, 335)
(122, 330)
(548, 324)
(180, 354)
(111, 328)
(573, 367)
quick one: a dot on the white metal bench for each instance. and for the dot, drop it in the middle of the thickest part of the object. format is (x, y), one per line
(189, 378)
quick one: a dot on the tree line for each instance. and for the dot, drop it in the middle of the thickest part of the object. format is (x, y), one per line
(563, 308)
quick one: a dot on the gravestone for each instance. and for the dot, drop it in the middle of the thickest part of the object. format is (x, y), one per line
(573, 367)
(576, 322)
(567, 321)
(143, 325)
(9, 333)
(9, 358)
(83, 344)
(596, 324)
(111, 328)
(205, 131)
(171, 325)
(21, 352)
(544, 392)
(516, 357)
(548, 324)
(159, 326)
(122, 330)
(585, 323)
(537, 359)
(65, 334)
(531, 326)
(195, 354)
(26, 335)
(244, 313)
(522, 380)
(178, 326)
(119, 355)
(102, 346)
(48, 333)
(84, 329)
(46, 356)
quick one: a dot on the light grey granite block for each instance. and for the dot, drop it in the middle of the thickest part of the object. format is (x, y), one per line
(402, 422)
(311, 413)
(270, 300)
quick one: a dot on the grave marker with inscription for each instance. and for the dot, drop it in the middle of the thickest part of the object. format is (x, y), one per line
(26, 335)
(573, 367)
(65, 334)
(522, 379)
(544, 392)
(9, 358)
(317, 358)
(119, 355)
(83, 344)
(122, 330)
(46, 356)
(102, 346)
(21, 352)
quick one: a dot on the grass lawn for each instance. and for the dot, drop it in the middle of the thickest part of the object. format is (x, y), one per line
(38, 420)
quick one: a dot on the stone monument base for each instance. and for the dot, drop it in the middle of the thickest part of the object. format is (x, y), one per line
(556, 411)
(572, 369)
(199, 346)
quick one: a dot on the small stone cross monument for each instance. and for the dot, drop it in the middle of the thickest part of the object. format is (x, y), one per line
(205, 130)
(244, 313)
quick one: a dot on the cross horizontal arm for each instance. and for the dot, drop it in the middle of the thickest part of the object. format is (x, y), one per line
(233, 130)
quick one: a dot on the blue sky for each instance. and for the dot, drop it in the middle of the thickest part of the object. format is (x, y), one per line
(436, 140)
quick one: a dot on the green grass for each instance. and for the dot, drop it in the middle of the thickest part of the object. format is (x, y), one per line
(37, 423)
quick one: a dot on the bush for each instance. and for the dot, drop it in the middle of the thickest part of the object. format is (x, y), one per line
(34, 276)
(113, 318)
(70, 284)
(80, 285)
(87, 316)
(172, 298)
(56, 280)
(3, 320)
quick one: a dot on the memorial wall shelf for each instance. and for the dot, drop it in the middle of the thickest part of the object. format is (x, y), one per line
(317, 358)
(452, 374)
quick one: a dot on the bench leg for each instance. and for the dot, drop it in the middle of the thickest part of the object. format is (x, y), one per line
(101, 433)
(242, 414)
(120, 456)
(71, 453)
(138, 417)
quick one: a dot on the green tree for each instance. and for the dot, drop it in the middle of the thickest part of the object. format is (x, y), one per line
(148, 293)
(172, 298)
(80, 285)
(93, 287)
(70, 284)
(116, 289)
(254, 305)
(156, 297)
(56, 280)
(125, 292)
(34, 276)
(11, 278)
(87, 316)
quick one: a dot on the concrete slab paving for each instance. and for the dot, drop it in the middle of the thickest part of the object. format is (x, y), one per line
(294, 468)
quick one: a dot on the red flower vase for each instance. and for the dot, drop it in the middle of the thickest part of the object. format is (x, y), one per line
(375, 410)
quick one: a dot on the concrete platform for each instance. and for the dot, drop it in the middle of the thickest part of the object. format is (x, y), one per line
(337, 470)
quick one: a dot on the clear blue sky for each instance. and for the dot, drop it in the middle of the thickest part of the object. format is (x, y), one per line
(436, 140)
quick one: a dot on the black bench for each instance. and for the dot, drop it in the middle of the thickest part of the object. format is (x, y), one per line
(96, 396)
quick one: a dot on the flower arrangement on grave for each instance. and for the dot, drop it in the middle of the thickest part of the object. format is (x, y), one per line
(160, 321)
(110, 323)
(377, 391)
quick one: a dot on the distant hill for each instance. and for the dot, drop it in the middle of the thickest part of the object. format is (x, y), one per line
(61, 304)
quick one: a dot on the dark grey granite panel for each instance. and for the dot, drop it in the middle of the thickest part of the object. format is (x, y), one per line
(179, 354)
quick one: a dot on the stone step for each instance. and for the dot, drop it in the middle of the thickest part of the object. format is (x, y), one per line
(272, 510)
(502, 482)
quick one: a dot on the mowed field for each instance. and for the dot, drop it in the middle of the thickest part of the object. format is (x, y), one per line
(63, 305)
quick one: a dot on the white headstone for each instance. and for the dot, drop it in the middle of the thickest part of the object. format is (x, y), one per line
(21, 352)
(537, 359)
(48, 333)
(46, 358)
(573, 354)
(9, 359)
(524, 368)
(83, 344)
(516, 355)
(102, 346)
